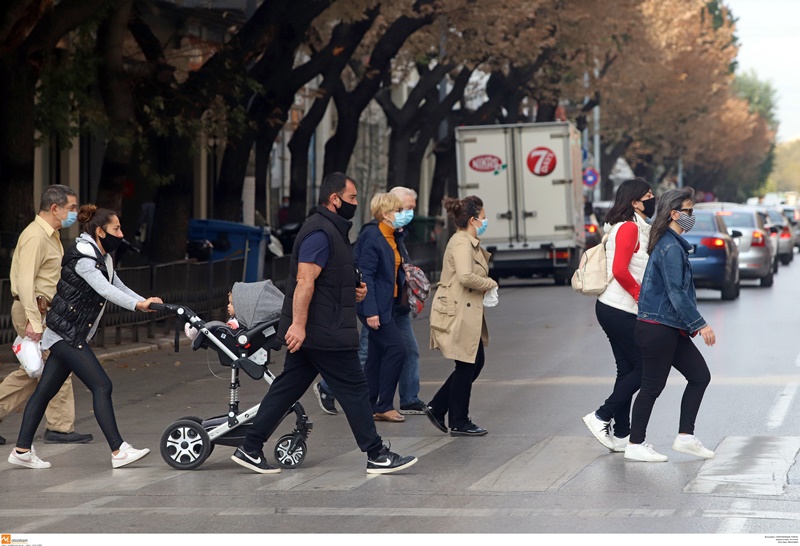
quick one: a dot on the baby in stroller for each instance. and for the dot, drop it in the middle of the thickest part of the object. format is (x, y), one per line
(243, 343)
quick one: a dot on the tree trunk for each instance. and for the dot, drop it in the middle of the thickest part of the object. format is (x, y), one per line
(18, 88)
(610, 154)
(173, 202)
(119, 106)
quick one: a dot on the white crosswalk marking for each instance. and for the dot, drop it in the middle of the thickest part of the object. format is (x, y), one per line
(545, 467)
(747, 465)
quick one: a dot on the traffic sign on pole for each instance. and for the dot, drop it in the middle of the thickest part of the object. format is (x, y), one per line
(590, 176)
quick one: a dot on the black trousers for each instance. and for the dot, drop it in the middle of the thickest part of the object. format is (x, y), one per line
(664, 347)
(453, 396)
(342, 371)
(386, 354)
(619, 327)
(63, 360)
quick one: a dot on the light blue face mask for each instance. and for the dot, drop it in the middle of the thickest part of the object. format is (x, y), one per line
(482, 229)
(397, 223)
(404, 217)
(72, 216)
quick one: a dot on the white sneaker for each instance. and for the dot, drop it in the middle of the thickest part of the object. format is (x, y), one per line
(692, 447)
(644, 453)
(620, 444)
(28, 460)
(127, 455)
(600, 430)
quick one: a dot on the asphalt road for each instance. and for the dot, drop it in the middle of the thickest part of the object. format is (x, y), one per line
(537, 471)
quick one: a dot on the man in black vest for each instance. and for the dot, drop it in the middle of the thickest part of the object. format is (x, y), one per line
(319, 327)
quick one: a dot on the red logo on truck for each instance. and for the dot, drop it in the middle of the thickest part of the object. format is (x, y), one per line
(541, 161)
(486, 163)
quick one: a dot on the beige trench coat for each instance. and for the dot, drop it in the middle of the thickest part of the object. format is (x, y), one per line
(457, 322)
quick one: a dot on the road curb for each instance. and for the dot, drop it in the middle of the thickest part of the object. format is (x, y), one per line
(139, 348)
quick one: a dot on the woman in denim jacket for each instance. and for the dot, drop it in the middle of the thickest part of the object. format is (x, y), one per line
(668, 319)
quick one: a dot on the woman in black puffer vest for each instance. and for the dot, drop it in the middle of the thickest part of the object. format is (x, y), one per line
(87, 282)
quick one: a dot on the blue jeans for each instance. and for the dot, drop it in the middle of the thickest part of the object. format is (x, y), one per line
(409, 375)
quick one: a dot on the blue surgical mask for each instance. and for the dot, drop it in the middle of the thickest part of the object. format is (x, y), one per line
(397, 223)
(404, 217)
(482, 229)
(70, 219)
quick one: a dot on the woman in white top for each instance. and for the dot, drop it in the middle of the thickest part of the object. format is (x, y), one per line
(616, 307)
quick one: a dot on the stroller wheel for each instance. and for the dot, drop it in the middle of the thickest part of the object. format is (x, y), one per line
(290, 458)
(185, 445)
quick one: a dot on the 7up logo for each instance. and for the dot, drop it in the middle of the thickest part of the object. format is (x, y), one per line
(541, 161)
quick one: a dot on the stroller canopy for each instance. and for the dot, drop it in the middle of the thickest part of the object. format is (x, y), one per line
(256, 302)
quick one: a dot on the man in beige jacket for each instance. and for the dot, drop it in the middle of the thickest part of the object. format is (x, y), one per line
(35, 270)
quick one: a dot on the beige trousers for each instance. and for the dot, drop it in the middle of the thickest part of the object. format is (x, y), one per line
(17, 387)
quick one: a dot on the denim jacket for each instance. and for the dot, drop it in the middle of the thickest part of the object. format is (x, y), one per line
(667, 294)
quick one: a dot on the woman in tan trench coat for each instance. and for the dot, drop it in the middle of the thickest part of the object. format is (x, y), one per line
(458, 327)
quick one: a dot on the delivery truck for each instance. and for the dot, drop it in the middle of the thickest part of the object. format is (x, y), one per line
(529, 177)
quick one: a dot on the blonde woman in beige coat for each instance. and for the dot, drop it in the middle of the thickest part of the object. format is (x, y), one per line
(458, 327)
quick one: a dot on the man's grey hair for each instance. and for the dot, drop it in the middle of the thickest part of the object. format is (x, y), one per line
(56, 195)
(402, 191)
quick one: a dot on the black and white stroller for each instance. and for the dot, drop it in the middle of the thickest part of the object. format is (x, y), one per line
(188, 442)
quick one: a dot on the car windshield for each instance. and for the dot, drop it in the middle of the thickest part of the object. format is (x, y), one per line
(739, 219)
(775, 216)
(704, 222)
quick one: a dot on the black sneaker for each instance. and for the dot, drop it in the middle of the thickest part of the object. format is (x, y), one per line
(53, 437)
(253, 460)
(470, 429)
(438, 423)
(415, 408)
(387, 462)
(326, 401)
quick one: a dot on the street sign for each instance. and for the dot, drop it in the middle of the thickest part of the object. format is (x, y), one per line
(590, 176)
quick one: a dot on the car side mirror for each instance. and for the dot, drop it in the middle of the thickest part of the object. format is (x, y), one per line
(736, 233)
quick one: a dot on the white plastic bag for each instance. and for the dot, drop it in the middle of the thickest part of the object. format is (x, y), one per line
(490, 299)
(29, 354)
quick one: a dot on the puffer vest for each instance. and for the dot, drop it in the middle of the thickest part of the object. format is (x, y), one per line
(332, 323)
(614, 295)
(76, 306)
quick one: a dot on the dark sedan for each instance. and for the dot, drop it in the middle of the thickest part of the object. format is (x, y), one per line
(714, 256)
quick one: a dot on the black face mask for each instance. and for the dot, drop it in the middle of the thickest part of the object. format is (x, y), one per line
(347, 210)
(649, 207)
(110, 242)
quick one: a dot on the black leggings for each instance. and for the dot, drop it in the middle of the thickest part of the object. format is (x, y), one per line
(619, 327)
(664, 347)
(453, 396)
(84, 364)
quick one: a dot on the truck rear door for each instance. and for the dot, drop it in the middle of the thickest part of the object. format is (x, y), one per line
(485, 169)
(546, 196)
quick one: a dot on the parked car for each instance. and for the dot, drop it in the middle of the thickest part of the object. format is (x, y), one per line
(714, 256)
(792, 213)
(757, 250)
(785, 234)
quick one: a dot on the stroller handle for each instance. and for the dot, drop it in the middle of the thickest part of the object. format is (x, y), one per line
(165, 307)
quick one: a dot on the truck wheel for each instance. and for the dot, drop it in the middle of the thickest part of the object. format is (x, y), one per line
(562, 277)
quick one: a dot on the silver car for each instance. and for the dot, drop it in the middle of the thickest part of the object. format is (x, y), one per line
(749, 227)
(786, 236)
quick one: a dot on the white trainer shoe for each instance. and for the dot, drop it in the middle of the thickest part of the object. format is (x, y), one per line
(600, 430)
(127, 455)
(644, 453)
(28, 460)
(620, 444)
(692, 447)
